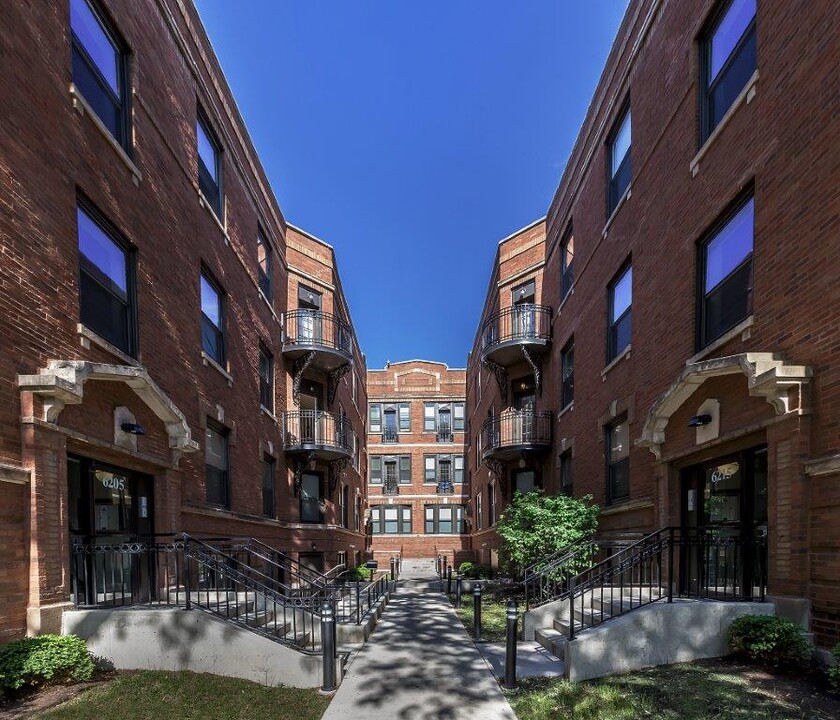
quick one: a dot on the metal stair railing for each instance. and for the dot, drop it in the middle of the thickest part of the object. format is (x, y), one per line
(548, 579)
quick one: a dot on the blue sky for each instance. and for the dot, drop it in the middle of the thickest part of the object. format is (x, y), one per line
(413, 136)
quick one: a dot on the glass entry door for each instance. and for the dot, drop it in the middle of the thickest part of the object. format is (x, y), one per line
(110, 516)
(724, 526)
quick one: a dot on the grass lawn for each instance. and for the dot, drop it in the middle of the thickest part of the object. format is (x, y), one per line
(153, 695)
(709, 690)
(493, 613)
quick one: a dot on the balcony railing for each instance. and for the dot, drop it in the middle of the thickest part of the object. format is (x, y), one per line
(444, 433)
(516, 430)
(526, 324)
(316, 430)
(390, 435)
(317, 330)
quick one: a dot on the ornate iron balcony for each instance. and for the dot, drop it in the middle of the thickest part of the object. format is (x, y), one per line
(326, 436)
(314, 331)
(514, 432)
(390, 435)
(525, 326)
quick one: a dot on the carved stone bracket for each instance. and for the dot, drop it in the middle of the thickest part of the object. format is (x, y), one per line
(301, 461)
(334, 380)
(536, 367)
(337, 468)
(303, 362)
(501, 375)
(497, 469)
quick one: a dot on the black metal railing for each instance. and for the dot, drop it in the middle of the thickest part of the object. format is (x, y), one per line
(317, 329)
(390, 435)
(517, 323)
(548, 579)
(671, 562)
(314, 429)
(516, 428)
(356, 598)
(444, 433)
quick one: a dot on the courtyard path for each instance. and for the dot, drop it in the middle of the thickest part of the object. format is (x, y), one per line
(419, 664)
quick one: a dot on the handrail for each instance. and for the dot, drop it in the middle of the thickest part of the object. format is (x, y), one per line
(526, 321)
(317, 328)
(548, 580)
(302, 570)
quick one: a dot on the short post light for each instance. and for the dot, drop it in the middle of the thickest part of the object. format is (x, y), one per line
(477, 612)
(328, 647)
(510, 649)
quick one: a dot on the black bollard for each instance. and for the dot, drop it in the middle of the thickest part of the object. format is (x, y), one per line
(393, 569)
(449, 580)
(458, 591)
(328, 647)
(510, 650)
(477, 612)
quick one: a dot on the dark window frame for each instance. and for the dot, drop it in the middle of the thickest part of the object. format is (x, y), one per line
(217, 203)
(616, 176)
(567, 387)
(377, 519)
(265, 275)
(702, 338)
(457, 521)
(613, 465)
(208, 324)
(567, 269)
(266, 378)
(747, 41)
(225, 434)
(321, 499)
(613, 351)
(122, 103)
(269, 490)
(567, 473)
(130, 302)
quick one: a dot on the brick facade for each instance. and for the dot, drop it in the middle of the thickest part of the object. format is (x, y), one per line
(774, 143)
(416, 383)
(55, 151)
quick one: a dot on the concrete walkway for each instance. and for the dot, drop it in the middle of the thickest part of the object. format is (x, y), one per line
(419, 664)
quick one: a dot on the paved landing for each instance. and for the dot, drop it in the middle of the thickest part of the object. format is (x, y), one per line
(419, 664)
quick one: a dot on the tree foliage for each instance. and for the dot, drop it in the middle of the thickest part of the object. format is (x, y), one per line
(535, 525)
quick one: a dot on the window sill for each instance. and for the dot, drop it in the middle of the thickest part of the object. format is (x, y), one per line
(82, 106)
(568, 408)
(88, 336)
(207, 360)
(616, 360)
(742, 329)
(625, 505)
(269, 304)
(206, 205)
(565, 298)
(744, 97)
(265, 411)
(623, 199)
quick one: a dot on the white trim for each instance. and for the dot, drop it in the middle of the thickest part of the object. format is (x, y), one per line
(723, 339)
(529, 226)
(628, 193)
(521, 274)
(208, 361)
(626, 506)
(311, 278)
(87, 334)
(206, 205)
(617, 359)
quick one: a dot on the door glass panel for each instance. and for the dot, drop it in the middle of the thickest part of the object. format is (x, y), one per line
(112, 503)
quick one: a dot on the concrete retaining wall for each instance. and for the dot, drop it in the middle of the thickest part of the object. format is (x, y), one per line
(175, 639)
(659, 634)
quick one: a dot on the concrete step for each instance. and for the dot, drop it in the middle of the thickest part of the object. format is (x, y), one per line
(553, 641)
(562, 626)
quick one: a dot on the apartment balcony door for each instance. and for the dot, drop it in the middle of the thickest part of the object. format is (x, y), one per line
(724, 520)
(525, 403)
(310, 322)
(525, 314)
(311, 418)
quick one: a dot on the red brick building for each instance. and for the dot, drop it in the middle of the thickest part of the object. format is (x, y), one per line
(684, 316)
(418, 482)
(158, 348)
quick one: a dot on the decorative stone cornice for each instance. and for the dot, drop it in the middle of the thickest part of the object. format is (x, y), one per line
(768, 375)
(828, 465)
(13, 474)
(62, 383)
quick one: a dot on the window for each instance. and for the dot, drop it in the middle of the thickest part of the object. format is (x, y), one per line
(621, 296)
(430, 468)
(444, 519)
(310, 499)
(567, 374)
(216, 465)
(726, 274)
(458, 464)
(268, 486)
(375, 470)
(212, 320)
(619, 162)
(266, 379)
(458, 417)
(405, 417)
(479, 511)
(209, 165)
(265, 262)
(375, 413)
(106, 283)
(567, 259)
(429, 417)
(566, 486)
(525, 481)
(728, 60)
(390, 519)
(390, 434)
(345, 506)
(100, 68)
(618, 461)
(357, 517)
(491, 504)
(405, 470)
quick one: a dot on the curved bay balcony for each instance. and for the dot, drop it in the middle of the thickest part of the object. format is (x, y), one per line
(507, 333)
(515, 432)
(327, 339)
(323, 435)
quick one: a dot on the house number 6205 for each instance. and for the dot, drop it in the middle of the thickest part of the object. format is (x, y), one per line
(115, 483)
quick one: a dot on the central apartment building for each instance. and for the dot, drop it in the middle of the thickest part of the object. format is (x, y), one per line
(666, 340)
(418, 484)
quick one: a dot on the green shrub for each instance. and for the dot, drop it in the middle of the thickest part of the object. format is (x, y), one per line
(834, 670)
(360, 572)
(769, 640)
(45, 658)
(474, 571)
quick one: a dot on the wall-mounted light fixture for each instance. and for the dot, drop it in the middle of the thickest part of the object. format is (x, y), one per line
(699, 420)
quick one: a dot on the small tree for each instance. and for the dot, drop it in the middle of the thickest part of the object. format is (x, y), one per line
(535, 525)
